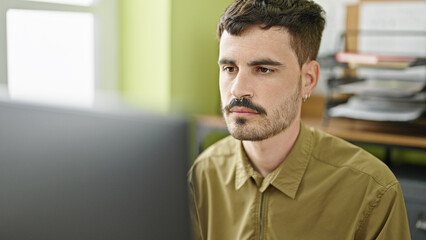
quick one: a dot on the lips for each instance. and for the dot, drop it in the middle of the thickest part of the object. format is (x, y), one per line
(243, 111)
(243, 107)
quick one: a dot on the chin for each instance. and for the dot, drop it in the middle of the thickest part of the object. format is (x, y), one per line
(245, 132)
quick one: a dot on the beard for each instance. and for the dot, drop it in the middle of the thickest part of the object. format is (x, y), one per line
(268, 123)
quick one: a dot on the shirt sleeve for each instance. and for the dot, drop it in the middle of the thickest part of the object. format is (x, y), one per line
(387, 218)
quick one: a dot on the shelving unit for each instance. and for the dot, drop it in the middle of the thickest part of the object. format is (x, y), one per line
(350, 96)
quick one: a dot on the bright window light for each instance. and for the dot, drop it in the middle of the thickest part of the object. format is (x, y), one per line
(51, 56)
(70, 2)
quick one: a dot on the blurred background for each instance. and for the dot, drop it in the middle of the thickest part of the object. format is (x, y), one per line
(161, 55)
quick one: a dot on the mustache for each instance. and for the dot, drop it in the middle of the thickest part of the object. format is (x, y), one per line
(245, 102)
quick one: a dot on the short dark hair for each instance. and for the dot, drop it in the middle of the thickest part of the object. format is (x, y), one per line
(303, 19)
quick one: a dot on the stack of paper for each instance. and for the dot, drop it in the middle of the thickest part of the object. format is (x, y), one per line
(385, 88)
(356, 60)
(383, 100)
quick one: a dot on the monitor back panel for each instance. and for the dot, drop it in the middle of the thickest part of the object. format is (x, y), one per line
(80, 174)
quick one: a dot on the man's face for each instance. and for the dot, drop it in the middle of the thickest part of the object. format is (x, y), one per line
(260, 83)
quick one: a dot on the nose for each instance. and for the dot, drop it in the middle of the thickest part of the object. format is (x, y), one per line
(242, 85)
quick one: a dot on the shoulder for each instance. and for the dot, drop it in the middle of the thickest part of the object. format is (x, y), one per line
(224, 147)
(217, 158)
(343, 155)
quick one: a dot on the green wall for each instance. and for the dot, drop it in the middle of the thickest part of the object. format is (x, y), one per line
(195, 50)
(169, 54)
(145, 53)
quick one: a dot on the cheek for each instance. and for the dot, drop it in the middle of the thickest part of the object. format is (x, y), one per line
(224, 88)
(271, 96)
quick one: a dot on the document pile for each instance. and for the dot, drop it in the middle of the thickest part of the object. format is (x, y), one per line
(357, 60)
(383, 100)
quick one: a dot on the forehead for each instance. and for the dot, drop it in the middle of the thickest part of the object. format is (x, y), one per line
(255, 42)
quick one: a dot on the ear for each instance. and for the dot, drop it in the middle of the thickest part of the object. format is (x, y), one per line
(310, 74)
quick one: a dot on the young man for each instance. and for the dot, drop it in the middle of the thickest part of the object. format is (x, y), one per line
(275, 178)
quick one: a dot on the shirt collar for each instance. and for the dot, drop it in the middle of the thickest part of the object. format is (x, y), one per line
(244, 169)
(288, 176)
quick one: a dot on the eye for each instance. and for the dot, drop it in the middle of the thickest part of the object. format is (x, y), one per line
(265, 70)
(229, 69)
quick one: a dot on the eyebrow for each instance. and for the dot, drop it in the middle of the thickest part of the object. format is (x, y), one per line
(265, 61)
(226, 61)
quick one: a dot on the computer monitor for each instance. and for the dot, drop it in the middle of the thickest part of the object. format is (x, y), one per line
(91, 174)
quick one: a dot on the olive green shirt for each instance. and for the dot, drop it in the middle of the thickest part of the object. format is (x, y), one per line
(325, 189)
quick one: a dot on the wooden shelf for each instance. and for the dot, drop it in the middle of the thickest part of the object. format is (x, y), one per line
(381, 133)
(412, 135)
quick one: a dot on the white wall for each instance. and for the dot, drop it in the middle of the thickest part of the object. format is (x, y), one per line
(336, 18)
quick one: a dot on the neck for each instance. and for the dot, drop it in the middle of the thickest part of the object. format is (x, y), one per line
(268, 154)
